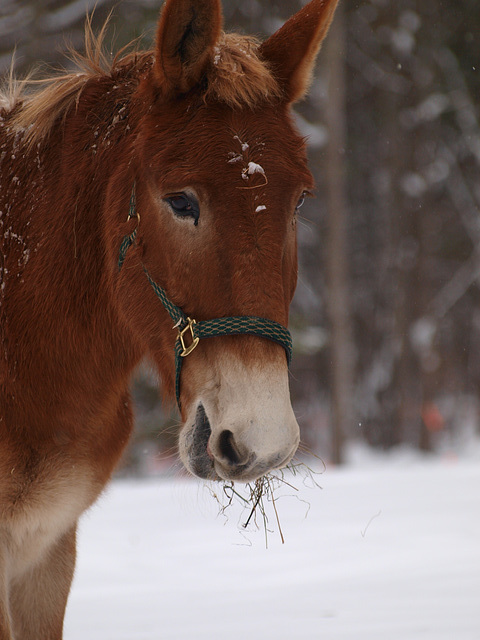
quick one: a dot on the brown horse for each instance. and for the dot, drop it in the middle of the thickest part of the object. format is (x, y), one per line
(134, 197)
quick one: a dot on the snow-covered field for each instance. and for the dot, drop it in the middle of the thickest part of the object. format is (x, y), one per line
(389, 550)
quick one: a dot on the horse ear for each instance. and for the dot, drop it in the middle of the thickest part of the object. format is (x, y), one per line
(186, 36)
(292, 50)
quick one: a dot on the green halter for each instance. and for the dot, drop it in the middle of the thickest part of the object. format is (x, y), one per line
(190, 331)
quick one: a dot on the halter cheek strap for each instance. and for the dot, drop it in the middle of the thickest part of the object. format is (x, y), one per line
(191, 332)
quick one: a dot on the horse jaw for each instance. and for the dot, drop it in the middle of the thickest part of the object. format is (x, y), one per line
(240, 424)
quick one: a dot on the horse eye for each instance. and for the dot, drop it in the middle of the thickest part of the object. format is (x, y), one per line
(300, 202)
(184, 206)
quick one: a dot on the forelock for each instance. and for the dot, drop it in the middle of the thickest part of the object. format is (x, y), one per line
(237, 75)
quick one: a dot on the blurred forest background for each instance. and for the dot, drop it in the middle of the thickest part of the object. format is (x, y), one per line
(386, 319)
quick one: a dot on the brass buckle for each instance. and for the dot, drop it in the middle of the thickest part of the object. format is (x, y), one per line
(188, 350)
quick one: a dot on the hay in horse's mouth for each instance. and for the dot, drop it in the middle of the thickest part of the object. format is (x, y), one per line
(256, 499)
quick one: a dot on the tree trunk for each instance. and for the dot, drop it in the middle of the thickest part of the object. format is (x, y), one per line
(338, 302)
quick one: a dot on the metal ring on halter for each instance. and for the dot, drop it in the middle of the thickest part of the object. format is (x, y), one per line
(187, 350)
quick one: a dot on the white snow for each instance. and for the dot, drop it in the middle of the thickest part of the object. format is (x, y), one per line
(245, 146)
(389, 550)
(234, 157)
(253, 167)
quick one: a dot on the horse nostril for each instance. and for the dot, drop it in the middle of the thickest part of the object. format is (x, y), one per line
(228, 448)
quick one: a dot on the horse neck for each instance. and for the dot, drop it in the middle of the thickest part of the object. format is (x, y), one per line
(60, 328)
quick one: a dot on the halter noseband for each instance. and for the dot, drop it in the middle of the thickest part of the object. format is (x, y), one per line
(191, 332)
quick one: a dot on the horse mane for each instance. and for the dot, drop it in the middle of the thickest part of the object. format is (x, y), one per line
(236, 76)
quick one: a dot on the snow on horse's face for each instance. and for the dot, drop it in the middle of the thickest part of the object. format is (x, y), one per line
(226, 173)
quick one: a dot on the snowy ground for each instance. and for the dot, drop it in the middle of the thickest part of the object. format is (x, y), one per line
(388, 551)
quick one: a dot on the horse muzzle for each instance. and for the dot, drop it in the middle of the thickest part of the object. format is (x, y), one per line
(240, 431)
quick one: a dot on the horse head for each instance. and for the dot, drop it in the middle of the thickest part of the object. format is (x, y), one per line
(220, 173)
